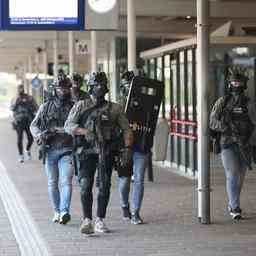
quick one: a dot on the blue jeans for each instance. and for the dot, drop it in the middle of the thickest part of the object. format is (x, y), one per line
(59, 171)
(140, 161)
(235, 170)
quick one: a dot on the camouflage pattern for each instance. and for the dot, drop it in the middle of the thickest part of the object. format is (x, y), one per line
(84, 113)
(51, 116)
(242, 114)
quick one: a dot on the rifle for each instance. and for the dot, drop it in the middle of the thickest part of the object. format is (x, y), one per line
(44, 143)
(242, 147)
(100, 146)
(43, 146)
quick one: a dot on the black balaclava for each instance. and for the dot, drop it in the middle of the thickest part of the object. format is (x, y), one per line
(21, 90)
(237, 81)
(125, 84)
(77, 83)
(63, 88)
(98, 86)
(63, 93)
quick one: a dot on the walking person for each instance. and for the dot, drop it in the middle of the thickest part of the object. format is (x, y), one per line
(48, 130)
(24, 108)
(234, 118)
(142, 109)
(97, 122)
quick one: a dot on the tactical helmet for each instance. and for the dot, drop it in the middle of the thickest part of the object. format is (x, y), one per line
(62, 87)
(63, 81)
(77, 80)
(20, 89)
(237, 79)
(97, 79)
(125, 83)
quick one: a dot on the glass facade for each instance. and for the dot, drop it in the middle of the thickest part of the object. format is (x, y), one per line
(178, 71)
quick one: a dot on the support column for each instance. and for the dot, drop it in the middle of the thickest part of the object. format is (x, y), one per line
(25, 81)
(203, 43)
(45, 66)
(93, 51)
(71, 52)
(131, 34)
(113, 70)
(37, 63)
(30, 74)
(55, 57)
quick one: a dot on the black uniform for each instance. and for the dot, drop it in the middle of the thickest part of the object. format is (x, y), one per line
(101, 119)
(23, 107)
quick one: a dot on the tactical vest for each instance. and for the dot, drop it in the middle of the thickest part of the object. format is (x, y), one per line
(241, 120)
(101, 123)
(23, 112)
(54, 116)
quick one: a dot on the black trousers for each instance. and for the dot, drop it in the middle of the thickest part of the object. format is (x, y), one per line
(20, 129)
(86, 175)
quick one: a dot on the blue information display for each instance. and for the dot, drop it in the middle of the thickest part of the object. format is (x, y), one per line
(43, 14)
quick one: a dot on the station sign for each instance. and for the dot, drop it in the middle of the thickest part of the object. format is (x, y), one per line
(56, 15)
(83, 47)
(43, 15)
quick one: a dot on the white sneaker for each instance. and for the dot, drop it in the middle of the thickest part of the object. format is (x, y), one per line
(28, 155)
(87, 227)
(100, 226)
(56, 217)
(21, 158)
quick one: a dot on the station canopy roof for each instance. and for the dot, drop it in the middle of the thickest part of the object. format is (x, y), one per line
(166, 19)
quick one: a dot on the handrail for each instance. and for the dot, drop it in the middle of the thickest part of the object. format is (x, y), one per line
(185, 136)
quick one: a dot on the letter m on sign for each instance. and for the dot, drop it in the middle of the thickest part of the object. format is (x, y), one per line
(82, 47)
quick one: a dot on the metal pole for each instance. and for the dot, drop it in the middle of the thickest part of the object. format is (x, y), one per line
(203, 11)
(30, 74)
(45, 66)
(94, 51)
(131, 34)
(25, 81)
(113, 68)
(55, 57)
(71, 52)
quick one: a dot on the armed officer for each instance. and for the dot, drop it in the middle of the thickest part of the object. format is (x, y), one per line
(97, 122)
(140, 162)
(48, 130)
(234, 117)
(24, 108)
(77, 92)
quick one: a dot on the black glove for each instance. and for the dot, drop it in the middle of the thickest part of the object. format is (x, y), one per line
(126, 156)
(125, 164)
(47, 135)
